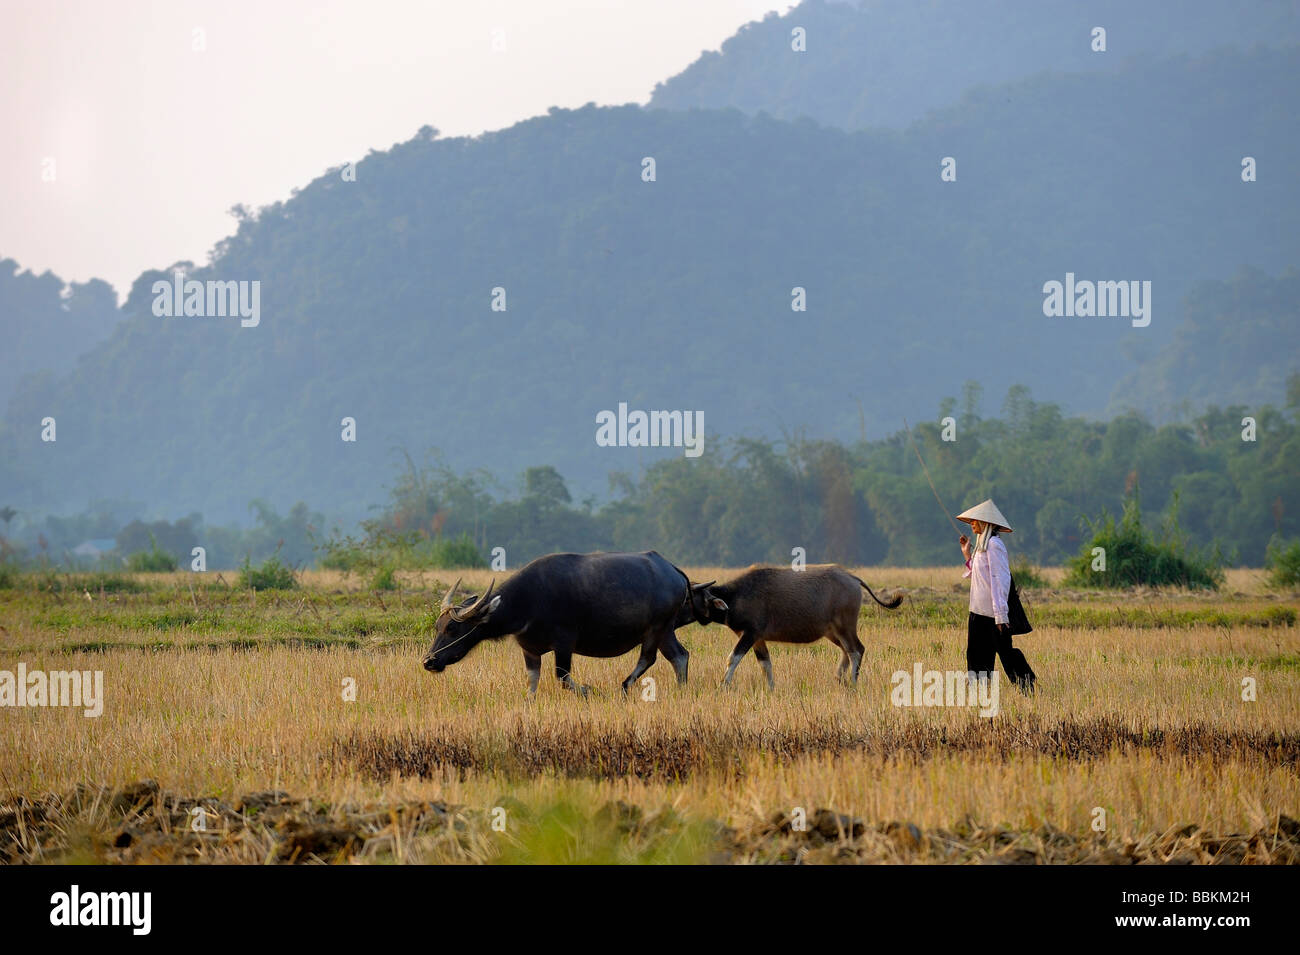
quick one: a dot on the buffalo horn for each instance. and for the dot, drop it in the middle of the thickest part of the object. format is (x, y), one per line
(448, 599)
(477, 605)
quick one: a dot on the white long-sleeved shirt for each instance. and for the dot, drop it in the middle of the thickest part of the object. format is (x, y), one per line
(990, 581)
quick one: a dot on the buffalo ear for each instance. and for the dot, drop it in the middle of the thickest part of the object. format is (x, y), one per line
(492, 606)
(717, 603)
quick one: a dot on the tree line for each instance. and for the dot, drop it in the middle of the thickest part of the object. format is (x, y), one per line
(1230, 474)
(1230, 477)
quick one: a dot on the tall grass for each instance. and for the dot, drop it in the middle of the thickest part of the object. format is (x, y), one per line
(217, 693)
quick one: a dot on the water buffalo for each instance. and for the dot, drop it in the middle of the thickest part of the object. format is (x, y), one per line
(792, 606)
(595, 605)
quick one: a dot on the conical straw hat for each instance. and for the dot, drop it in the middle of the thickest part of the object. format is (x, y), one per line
(987, 512)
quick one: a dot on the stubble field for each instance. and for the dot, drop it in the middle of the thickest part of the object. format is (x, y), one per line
(298, 726)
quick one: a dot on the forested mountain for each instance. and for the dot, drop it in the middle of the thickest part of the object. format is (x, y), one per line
(1237, 343)
(887, 62)
(48, 324)
(674, 294)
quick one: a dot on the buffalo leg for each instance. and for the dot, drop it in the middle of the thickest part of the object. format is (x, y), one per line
(533, 664)
(853, 648)
(765, 661)
(648, 656)
(856, 657)
(738, 654)
(677, 655)
(563, 673)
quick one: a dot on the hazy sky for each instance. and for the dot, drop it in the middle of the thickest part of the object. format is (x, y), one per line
(156, 130)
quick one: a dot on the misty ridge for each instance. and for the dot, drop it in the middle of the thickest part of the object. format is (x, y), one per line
(831, 240)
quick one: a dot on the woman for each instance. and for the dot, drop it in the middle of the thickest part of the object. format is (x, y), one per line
(988, 633)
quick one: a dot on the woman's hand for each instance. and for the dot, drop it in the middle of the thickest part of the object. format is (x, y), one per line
(964, 541)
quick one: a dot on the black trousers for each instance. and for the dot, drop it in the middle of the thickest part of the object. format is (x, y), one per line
(985, 643)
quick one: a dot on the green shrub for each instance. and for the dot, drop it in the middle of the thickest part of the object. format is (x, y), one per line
(567, 831)
(153, 560)
(1027, 575)
(1134, 557)
(454, 553)
(346, 554)
(1283, 562)
(385, 578)
(108, 583)
(385, 549)
(272, 575)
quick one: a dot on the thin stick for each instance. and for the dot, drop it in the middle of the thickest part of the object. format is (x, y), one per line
(926, 471)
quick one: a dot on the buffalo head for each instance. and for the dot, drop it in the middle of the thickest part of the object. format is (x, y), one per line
(701, 606)
(459, 628)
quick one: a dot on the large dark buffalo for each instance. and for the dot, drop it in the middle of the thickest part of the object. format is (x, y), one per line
(791, 606)
(594, 605)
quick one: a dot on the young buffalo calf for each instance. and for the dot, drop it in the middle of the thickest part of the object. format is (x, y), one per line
(792, 606)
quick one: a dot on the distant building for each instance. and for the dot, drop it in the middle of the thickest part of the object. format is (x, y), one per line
(95, 549)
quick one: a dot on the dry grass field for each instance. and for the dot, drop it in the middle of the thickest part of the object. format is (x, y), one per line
(227, 735)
